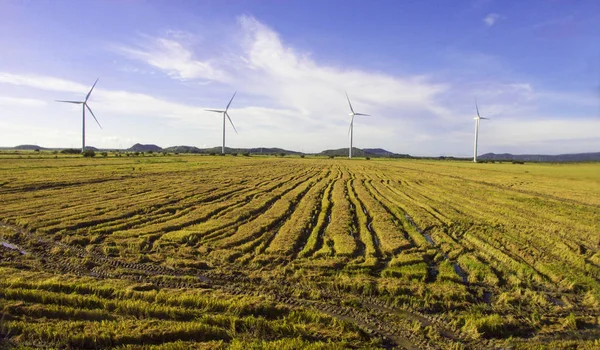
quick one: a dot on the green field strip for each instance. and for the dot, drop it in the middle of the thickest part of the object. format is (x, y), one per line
(197, 212)
(398, 211)
(271, 216)
(368, 237)
(290, 238)
(391, 238)
(339, 229)
(315, 241)
(210, 230)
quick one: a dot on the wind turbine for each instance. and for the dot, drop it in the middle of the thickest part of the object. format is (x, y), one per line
(84, 106)
(225, 114)
(351, 129)
(477, 119)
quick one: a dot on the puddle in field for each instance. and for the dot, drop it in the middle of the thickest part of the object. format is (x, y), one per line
(487, 297)
(428, 238)
(13, 247)
(460, 273)
(556, 301)
(432, 272)
(375, 239)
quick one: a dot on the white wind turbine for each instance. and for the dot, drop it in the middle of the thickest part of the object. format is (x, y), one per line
(477, 119)
(351, 129)
(84, 106)
(225, 114)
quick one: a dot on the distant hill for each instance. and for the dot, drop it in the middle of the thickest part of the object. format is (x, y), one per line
(144, 148)
(270, 150)
(575, 157)
(29, 148)
(342, 152)
(378, 151)
(183, 149)
(365, 152)
(258, 150)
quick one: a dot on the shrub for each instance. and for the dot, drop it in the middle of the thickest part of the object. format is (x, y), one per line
(212, 153)
(368, 158)
(88, 153)
(302, 156)
(332, 156)
(104, 154)
(234, 154)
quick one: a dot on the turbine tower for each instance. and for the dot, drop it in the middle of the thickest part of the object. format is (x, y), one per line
(84, 106)
(225, 114)
(477, 119)
(351, 129)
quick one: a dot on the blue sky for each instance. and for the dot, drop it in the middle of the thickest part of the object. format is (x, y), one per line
(416, 66)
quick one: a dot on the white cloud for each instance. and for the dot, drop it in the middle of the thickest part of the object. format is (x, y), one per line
(18, 101)
(541, 135)
(491, 19)
(44, 83)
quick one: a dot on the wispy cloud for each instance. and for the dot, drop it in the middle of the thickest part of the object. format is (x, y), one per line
(262, 65)
(44, 83)
(170, 56)
(491, 19)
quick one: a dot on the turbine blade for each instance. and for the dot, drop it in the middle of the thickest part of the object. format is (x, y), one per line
(477, 108)
(485, 118)
(89, 93)
(89, 109)
(350, 104)
(366, 115)
(229, 104)
(75, 102)
(228, 117)
(214, 110)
